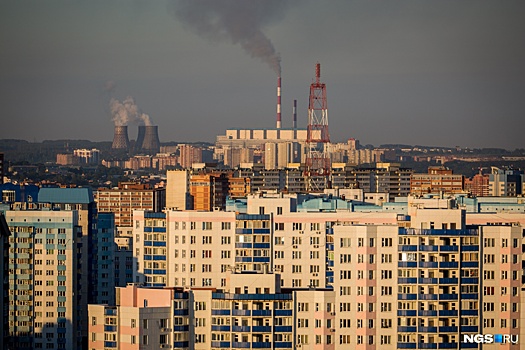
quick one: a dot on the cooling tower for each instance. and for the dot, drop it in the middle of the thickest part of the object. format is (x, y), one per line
(140, 138)
(151, 143)
(120, 140)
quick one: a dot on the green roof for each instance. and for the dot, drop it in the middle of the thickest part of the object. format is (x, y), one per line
(66, 195)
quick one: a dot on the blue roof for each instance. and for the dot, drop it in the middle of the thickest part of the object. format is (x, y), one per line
(66, 195)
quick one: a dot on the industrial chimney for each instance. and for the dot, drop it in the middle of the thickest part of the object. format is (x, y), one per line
(140, 138)
(294, 123)
(278, 126)
(120, 139)
(151, 143)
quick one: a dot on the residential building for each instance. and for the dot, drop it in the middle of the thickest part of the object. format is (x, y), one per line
(87, 156)
(45, 299)
(127, 197)
(438, 180)
(4, 280)
(478, 186)
(506, 182)
(124, 256)
(178, 190)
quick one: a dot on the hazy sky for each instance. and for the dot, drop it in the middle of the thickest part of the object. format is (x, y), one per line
(436, 72)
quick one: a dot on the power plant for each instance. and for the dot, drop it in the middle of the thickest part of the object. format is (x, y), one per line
(120, 139)
(140, 138)
(147, 139)
(151, 143)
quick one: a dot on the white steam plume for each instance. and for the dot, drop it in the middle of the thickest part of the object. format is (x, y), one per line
(126, 112)
(240, 21)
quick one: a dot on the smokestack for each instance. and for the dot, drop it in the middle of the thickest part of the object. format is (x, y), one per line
(151, 143)
(120, 139)
(140, 138)
(279, 102)
(294, 124)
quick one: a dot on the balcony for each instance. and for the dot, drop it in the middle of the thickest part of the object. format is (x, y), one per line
(428, 248)
(404, 296)
(240, 328)
(241, 312)
(427, 346)
(406, 329)
(427, 329)
(286, 345)
(261, 329)
(448, 248)
(448, 265)
(261, 313)
(448, 281)
(470, 264)
(470, 248)
(448, 313)
(427, 313)
(283, 312)
(469, 296)
(469, 329)
(221, 312)
(220, 344)
(220, 328)
(428, 264)
(242, 345)
(449, 329)
(407, 248)
(406, 345)
(261, 345)
(407, 280)
(407, 264)
(428, 280)
(428, 297)
(469, 280)
(282, 329)
(468, 313)
(406, 312)
(448, 297)
(448, 346)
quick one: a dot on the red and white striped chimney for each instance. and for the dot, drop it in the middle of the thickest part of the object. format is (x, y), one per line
(278, 102)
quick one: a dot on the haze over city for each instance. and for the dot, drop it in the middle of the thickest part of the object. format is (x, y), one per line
(430, 73)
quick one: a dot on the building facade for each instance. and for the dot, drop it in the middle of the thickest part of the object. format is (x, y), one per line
(45, 280)
(127, 197)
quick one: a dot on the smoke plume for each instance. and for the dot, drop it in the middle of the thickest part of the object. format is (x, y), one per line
(126, 112)
(239, 21)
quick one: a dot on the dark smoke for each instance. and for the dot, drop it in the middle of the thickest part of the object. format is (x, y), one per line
(240, 21)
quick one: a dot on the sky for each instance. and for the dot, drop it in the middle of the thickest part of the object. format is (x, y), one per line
(436, 73)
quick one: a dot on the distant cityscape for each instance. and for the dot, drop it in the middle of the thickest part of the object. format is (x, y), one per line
(269, 238)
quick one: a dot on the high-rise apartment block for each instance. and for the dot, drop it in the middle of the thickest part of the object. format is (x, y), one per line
(438, 180)
(4, 280)
(425, 274)
(127, 197)
(87, 156)
(506, 182)
(45, 280)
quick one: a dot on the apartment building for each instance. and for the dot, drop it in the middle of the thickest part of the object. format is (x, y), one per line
(252, 311)
(44, 280)
(4, 279)
(438, 180)
(123, 258)
(127, 197)
(422, 277)
(506, 182)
